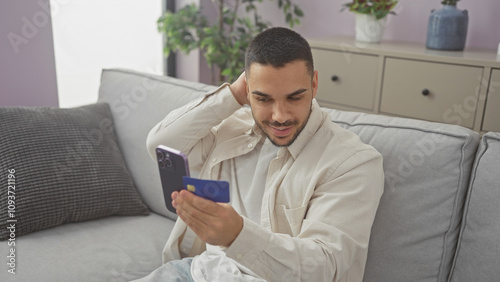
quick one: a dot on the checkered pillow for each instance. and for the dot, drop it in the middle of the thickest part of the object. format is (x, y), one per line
(59, 166)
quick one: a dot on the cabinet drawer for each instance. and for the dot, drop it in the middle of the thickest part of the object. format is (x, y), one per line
(491, 121)
(431, 91)
(345, 78)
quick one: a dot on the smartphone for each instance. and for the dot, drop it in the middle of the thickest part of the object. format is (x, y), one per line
(173, 166)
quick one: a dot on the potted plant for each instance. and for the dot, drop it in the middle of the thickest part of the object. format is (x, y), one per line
(450, 2)
(371, 18)
(447, 28)
(223, 43)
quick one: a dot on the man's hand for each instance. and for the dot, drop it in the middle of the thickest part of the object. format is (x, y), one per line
(239, 89)
(215, 223)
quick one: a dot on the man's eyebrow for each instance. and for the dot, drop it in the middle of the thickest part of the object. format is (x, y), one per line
(257, 92)
(298, 92)
(295, 93)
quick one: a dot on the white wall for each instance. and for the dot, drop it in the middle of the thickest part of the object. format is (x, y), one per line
(91, 35)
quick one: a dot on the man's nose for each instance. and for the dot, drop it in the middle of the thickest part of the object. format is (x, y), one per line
(280, 113)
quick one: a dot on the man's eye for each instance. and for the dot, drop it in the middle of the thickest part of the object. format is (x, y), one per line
(294, 98)
(262, 99)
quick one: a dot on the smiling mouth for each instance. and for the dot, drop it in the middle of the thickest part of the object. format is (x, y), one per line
(282, 131)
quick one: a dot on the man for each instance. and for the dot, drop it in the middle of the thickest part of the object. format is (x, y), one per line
(304, 191)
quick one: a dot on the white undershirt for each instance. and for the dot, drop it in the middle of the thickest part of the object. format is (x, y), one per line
(250, 174)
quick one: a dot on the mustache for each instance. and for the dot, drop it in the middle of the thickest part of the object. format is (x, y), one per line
(279, 124)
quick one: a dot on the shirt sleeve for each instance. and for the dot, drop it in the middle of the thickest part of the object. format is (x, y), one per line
(189, 128)
(335, 231)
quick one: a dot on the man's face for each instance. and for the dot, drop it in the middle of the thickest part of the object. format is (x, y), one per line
(281, 99)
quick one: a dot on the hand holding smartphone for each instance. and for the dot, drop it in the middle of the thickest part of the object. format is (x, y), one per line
(173, 166)
(174, 175)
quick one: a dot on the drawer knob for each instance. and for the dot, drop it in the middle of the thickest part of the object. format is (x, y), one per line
(335, 78)
(426, 92)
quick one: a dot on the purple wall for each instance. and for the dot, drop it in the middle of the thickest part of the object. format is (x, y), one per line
(323, 18)
(27, 64)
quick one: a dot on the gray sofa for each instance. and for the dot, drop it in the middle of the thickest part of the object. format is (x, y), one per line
(438, 219)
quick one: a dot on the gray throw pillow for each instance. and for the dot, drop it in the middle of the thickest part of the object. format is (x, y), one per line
(59, 166)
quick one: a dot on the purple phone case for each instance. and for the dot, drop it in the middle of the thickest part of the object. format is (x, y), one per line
(173, 166)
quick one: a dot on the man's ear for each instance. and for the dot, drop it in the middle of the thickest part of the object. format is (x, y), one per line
(314, 83)
(248, 89)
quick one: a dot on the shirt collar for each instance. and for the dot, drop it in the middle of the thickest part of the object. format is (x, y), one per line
(312, 126)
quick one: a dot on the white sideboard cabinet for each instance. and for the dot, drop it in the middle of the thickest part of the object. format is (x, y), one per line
(408, 80)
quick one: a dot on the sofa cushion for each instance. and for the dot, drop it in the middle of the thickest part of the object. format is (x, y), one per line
(115, 248)
(426, 169)
(59, 166)
(479, 245)
(138, 102)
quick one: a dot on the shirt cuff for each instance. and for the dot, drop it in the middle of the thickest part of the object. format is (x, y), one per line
(249, 244)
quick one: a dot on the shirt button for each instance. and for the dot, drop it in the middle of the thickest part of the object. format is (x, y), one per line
(250, 145)
(239, 256)
(214, 160)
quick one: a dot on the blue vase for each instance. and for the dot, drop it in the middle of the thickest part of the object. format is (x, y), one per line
(447, 29)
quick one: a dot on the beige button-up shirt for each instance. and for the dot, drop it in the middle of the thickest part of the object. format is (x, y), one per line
(320, 197)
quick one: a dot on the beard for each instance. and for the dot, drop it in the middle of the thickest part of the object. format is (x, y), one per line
(293, 123)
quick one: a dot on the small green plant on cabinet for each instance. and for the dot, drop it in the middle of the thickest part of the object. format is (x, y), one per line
(377, 8)
(223, 44)
(450, 2)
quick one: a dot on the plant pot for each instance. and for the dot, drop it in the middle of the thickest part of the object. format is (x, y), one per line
(447, 29)
(369, 29)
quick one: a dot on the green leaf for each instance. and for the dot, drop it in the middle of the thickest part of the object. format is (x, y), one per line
(377, 8)
(298, 12)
